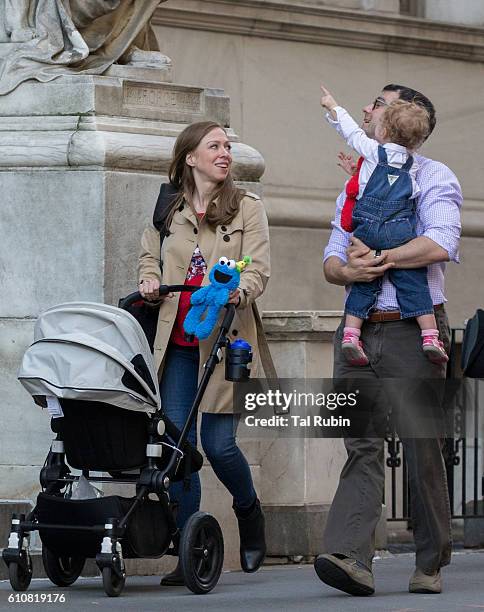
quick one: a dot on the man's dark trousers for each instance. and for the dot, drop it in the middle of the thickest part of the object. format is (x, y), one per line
(395, 351)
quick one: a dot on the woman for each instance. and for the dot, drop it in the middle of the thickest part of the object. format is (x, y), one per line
(209, 219)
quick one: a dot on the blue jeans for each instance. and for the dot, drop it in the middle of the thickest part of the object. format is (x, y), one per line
(178, 387)
(386, 225)
(412, 291)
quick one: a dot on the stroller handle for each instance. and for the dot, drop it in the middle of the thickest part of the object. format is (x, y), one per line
(132, 298)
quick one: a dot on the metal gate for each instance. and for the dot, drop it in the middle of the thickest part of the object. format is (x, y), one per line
(463, 452)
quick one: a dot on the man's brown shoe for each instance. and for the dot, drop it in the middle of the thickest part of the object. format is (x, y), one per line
(345, 574)
(425, 583)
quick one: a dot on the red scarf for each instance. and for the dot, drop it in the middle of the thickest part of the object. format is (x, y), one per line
(352, 188)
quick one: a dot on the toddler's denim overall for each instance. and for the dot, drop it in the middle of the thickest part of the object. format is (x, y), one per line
(384, 218)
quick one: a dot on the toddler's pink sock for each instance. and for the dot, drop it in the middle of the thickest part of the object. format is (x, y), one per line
(430, 332)
(352, 331)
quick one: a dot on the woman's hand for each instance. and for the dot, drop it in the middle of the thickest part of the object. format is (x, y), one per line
(149, 289)
(234, 297)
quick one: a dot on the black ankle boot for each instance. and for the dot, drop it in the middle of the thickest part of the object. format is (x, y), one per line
(252, 537)
(174, 578)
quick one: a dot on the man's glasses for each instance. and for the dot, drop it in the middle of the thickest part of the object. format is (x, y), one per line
(379, 102)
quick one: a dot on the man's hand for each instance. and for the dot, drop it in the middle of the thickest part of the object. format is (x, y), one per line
(361, 265)
(357, 248)
(328, 102)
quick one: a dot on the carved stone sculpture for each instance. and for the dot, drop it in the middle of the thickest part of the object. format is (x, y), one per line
(43, 39)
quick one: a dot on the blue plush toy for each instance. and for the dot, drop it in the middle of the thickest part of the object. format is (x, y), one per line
(224, 278)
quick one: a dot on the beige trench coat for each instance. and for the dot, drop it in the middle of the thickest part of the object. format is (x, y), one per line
(247, 234)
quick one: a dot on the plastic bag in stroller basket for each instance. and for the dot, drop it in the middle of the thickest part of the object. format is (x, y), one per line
(147, 533)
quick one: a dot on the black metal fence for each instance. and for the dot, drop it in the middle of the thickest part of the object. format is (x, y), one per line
(462, 451)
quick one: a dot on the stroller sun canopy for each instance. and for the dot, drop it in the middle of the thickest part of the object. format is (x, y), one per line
(92, 352)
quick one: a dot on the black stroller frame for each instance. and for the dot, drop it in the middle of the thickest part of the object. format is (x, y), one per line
(200, 547)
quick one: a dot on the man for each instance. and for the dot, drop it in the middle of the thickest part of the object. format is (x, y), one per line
(394, 350)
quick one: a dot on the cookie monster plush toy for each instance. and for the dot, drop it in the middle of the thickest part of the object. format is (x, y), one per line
(224, 278)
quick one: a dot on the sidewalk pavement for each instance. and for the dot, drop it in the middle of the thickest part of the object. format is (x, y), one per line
(289, 588)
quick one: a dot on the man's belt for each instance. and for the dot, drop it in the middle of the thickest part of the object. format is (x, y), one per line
(382, 316)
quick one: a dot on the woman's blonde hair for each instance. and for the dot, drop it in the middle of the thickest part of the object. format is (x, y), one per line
(406, 124)
(225, 198)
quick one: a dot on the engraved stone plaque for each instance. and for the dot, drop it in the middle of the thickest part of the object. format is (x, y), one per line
(162, 97)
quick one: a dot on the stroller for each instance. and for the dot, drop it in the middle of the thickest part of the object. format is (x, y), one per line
(91, 366)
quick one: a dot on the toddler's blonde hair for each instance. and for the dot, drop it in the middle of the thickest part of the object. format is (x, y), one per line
(406, 124)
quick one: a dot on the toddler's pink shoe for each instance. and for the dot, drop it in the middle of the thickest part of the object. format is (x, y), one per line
(434, 349)
(352, 348)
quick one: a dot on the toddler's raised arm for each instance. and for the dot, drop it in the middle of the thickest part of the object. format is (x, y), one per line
(347, 127)
(354, 136)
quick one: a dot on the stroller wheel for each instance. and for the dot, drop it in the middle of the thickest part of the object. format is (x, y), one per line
(19, 577)
(62, 571)
(113, 583)
(201, 552)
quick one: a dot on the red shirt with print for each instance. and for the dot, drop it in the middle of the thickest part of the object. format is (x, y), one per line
(195, 273)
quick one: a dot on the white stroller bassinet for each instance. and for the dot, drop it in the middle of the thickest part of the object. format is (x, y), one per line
(88, 351)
